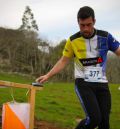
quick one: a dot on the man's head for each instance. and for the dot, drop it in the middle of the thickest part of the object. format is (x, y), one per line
(86, 21)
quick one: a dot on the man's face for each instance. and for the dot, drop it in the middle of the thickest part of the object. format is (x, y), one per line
(86, 26)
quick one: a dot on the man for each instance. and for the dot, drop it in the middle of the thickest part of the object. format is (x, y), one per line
(89, 48)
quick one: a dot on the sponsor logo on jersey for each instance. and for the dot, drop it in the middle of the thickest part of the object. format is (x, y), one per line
(91, 61)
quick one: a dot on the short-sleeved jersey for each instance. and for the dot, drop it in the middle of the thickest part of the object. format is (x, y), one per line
(90, 52)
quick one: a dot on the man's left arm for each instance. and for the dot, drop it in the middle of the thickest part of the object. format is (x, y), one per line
(114, 45)
(117, 52)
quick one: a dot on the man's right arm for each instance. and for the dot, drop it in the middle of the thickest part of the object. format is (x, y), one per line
(62, 62)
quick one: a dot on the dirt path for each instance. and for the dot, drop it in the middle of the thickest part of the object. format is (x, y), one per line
(41, 125)
(45, 125)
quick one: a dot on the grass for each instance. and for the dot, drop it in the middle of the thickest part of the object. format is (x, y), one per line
(16, 78)
(57, 102)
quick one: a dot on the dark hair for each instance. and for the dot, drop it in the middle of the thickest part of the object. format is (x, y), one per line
(85, 12)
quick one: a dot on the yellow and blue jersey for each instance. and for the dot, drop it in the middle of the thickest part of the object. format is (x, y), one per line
(90, 52)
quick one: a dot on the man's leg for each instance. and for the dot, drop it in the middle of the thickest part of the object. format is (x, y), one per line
(89, 104)
(104, 99)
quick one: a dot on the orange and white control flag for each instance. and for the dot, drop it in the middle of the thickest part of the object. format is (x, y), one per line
(15, 116)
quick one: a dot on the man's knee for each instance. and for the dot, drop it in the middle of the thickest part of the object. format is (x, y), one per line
(89, 122)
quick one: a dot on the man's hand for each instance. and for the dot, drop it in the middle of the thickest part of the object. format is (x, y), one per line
(42, 79)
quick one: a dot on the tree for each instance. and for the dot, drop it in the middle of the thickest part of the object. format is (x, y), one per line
(30, 28)
(28, 22)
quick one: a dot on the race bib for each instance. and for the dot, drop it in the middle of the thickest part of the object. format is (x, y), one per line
(93, 74)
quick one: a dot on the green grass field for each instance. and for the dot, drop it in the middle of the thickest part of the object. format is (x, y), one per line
(57, 102)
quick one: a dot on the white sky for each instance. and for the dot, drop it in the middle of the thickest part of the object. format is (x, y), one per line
(56, 19)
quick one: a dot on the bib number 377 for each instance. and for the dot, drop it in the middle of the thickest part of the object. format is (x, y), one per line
(93, 74)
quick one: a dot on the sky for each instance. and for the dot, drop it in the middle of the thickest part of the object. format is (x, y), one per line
(57, 20)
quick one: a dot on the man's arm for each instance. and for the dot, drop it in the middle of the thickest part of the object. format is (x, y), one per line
(117, 52)
(56, 69)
